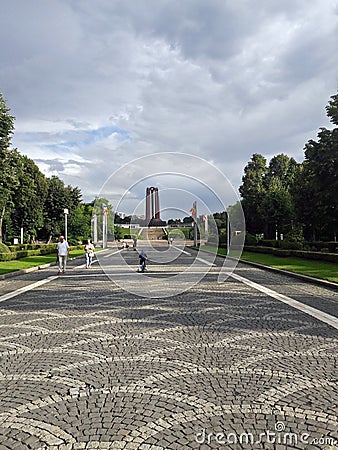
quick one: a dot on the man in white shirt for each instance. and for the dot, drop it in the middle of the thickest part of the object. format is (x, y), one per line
(62, 252)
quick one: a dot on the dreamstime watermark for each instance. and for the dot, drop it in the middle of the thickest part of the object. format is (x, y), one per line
(277, 436)
(181, 181)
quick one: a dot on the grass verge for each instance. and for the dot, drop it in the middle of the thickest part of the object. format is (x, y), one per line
(32, 261)
(316, 269)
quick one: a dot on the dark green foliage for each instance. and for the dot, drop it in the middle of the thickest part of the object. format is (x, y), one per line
(332, 109)
(31, 201)
(319, 256)
(4, 248)
(79, 224)
(58, 198)
(6, 124)
(296, 200)
(44, 250)
(250, 239)
(118, 232)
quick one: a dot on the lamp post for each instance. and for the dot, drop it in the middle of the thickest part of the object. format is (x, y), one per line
(95, 229)
(228, 233)
(66, 212)
(276, 231)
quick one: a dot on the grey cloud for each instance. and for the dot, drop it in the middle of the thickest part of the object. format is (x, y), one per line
(214, 78)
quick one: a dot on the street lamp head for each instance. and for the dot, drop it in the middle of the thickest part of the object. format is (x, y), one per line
(66, 211)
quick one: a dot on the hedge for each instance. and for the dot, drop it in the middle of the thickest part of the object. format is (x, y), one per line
(319, 256)
(46, 250)
(17, 247)
(317, 246)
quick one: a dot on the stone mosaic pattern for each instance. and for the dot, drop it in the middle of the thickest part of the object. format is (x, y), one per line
(85, 365)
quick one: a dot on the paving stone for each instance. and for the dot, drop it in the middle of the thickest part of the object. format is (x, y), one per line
(87, 365)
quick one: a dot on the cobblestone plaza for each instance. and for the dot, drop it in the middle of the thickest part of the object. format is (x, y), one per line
(87, 365)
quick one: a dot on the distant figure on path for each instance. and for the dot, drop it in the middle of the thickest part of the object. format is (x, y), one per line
(134, 242)
(62, 252)
(143, 261)
(89, 253)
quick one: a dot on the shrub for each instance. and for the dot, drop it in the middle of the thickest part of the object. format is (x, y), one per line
(45, 250)
(4, 248)
(7, 256)
(268, 243)
(330, 257)
(250, 239)
(332, 246)
(17, 247)
(222, 239)
(290, 245)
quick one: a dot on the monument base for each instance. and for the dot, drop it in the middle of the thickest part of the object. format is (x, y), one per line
(157, 223)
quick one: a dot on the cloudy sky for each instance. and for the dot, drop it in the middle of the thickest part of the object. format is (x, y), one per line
(95, 84)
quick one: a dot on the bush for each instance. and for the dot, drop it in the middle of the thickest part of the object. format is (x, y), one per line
(330, 257)
(7, 256)
(268, 243)
(222, 238)
(290, 245)
(18, 254)
(250, 239)
(17, 247)
(45, 250)
(4, 248)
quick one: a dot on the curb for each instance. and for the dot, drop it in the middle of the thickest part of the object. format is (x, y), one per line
(299, 276)
(16, 273)
(318, 281)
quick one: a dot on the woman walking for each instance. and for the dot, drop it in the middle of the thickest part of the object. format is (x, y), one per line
(89, 253)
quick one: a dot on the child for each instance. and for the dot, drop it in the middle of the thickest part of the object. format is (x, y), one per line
(143, 258)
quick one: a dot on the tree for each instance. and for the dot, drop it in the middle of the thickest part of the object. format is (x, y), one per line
(79, 224)
(187, 220)
(236, 217)
(98, 204)
(28, 198)
(278, 206)
(278, 202)
(268, 194)
(321, 169)
(253, 190)
(6, 125)
(332, 109)
(8, 178)
(317, 197)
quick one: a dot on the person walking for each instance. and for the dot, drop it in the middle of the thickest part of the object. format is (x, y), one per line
(89, 253)
(62, 252)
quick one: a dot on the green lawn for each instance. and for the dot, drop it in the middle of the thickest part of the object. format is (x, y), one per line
(317, 269)
(31, 261)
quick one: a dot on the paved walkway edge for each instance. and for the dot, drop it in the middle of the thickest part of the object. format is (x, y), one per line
(299, 276)
(32, 269)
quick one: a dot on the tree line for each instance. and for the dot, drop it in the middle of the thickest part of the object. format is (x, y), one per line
(298, 200)
(32, 201)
